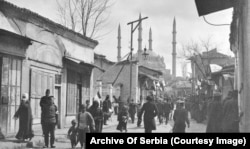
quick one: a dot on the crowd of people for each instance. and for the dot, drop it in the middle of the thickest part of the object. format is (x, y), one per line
(221, 115)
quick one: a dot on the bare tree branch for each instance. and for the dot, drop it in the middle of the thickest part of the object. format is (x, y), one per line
(85, 16)
(193, 51)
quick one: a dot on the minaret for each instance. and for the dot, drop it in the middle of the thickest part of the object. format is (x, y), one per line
(119, 44)
(140, 36)
(174, 50)
(150, 40)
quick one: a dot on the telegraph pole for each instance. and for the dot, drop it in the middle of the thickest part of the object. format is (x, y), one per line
(131, 48)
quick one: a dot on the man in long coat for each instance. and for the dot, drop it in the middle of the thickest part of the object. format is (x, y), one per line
(180, 118)
(132, 110)
(25, 119)
(159, 105)
(43, 102)
(105, 108)
(214, 114)
(97, 115)
(230, 122)
(150, 111)
(167, 109)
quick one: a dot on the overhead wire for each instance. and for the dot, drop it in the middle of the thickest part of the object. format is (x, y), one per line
(214, 24)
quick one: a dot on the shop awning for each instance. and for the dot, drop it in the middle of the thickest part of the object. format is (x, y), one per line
(80, 62)
(149, 76)
(205, 7)
(10, 41)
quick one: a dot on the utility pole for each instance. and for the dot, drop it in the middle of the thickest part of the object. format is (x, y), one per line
(131, 49)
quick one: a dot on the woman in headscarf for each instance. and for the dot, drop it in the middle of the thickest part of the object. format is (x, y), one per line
(150, 112)
(25, 119)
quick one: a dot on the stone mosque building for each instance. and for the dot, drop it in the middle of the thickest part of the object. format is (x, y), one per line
(148, 72)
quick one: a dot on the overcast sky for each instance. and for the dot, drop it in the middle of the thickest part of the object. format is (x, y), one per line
(160, 13)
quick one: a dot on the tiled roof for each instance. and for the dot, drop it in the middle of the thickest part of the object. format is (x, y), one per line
(13, 11)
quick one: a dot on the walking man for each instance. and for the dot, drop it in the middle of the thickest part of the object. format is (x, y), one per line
(106, 109)
(43, 102)
(150, 111)
(132, 110)
(180, 118)
(167, 110)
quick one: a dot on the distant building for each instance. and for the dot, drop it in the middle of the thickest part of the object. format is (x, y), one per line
(201, 66)
(149, 58)
(147, 72)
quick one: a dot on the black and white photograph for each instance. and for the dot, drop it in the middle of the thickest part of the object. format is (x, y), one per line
(69, 68)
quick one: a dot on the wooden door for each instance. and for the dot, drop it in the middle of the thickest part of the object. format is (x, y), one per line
(39, 81)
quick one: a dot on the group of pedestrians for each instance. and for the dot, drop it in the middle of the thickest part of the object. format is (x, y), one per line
(149, 111)
(48, 119)
(223, 116)
(165, 108)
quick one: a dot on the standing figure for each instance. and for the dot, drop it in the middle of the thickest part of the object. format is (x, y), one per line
(86, 124)
(215, 114)
(167, 110)
(106, 109)
(43, 102)
(120, 104)
(72, 134)
(230, 117)
(115, 105)
(123, 119)
(139, 106)
(150, 111)
(49, 122)
(180, 118)
(97, 115)
(87, 104)
(159, 105)
(25, 119)
(132, 110)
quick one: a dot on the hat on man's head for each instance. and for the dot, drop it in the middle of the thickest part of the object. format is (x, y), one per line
(180, 101)
(83, 106)
(149, 98)
(217, 93)
(25, 96)
(73, 122)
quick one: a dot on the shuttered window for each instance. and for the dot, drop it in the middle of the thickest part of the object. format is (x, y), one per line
(78, 91)
(10, 92)
(71, 92)
(86, 88)
(40, 81)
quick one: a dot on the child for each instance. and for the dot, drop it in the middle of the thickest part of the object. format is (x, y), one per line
(123, 118)
(85, 124)
(72, 134)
